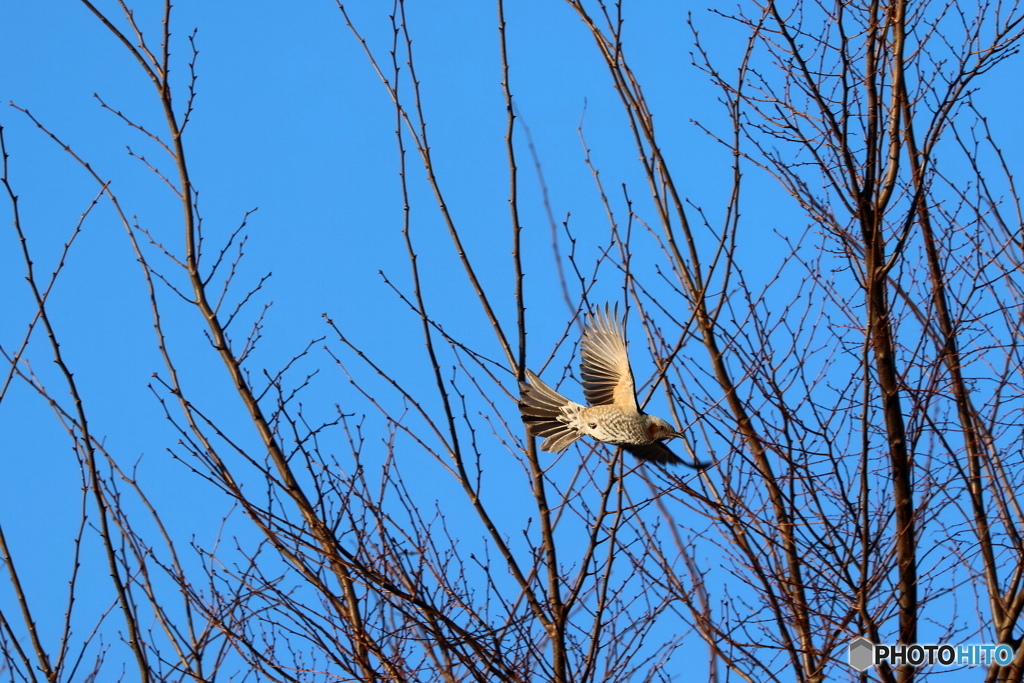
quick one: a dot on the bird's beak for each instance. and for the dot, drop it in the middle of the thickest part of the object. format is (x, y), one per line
(674, 435)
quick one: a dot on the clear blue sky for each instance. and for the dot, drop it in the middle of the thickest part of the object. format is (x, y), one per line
(290, 118)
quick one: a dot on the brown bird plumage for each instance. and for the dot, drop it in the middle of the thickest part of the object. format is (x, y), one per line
(613, 416)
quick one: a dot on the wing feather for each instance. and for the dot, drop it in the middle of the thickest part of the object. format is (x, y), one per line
(604, 368)
(658, 452)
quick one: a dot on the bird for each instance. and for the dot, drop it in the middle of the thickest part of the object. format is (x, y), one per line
(613, 416)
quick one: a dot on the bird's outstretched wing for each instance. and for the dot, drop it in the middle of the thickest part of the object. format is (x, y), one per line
(661, 454)
(607, 378)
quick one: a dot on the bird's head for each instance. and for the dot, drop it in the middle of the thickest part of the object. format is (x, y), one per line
(658, 429)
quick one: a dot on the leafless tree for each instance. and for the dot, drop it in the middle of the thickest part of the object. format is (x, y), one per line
(860, 406)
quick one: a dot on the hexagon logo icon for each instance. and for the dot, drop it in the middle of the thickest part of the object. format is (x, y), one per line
(861, 654)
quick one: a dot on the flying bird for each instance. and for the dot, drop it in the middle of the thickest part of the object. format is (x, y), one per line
(614, 416)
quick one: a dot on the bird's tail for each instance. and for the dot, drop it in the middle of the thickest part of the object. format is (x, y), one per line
(547, 413)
